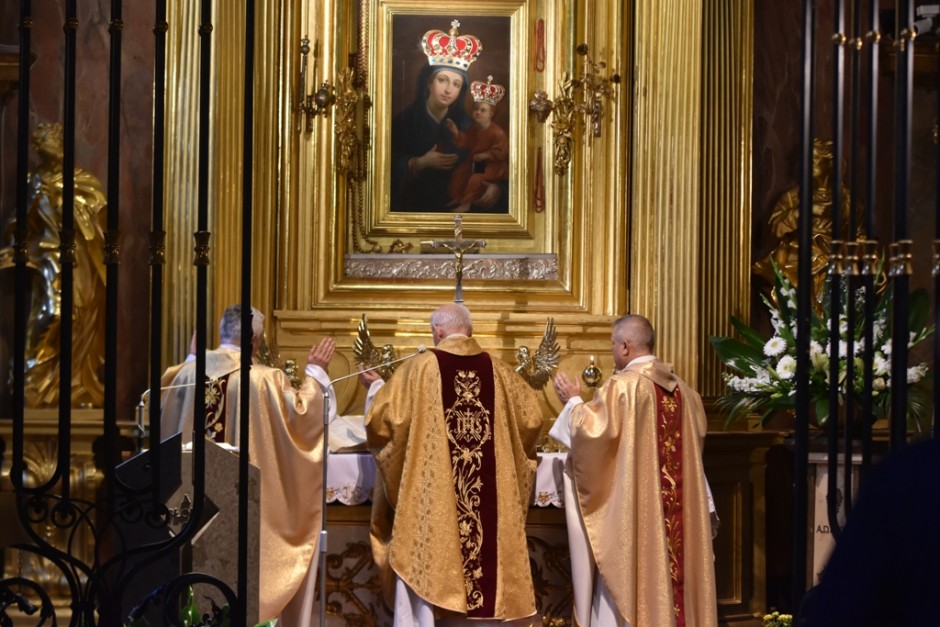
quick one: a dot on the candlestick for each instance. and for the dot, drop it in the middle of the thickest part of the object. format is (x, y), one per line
(591, 375)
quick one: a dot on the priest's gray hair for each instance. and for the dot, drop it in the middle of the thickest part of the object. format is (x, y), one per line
(453, 318)
(638, 329)
(230, 326)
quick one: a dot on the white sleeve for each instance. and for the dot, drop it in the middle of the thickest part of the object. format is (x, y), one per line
(561, 430)
(370, 396)
(319, 375)
(712, 512)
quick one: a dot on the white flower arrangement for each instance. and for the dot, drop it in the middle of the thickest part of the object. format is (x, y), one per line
(762, 376)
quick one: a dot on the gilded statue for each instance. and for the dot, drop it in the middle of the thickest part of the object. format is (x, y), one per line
(368, 355)
(784, 224)
(43, 225)
(538, 367)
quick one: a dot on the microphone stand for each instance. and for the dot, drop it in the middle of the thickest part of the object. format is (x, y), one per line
(326, 453)
(143, 431)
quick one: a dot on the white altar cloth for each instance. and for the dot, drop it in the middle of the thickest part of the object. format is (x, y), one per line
(350, 471)
(350, 478)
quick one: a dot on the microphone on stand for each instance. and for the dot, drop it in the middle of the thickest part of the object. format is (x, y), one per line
(420, 349)
(325, 389)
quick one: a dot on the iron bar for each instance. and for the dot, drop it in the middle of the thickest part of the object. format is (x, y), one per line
(111, 257)
(874, 39)
(109, 605)
(854, 280)
(935, 430)
(836, 281)
(157, 243)
(201, 238)
(67, 255)
(804, 291)
(902, 181)
(21, 279)
(245, 387)
(856, 44)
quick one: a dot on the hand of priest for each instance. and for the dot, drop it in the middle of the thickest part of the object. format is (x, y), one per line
(322, 353)
(368, 377)
(565, 388)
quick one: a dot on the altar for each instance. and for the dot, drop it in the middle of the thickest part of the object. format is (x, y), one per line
(352, 585)
(353, 591)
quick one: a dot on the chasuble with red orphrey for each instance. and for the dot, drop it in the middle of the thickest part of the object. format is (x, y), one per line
(453, 433)
(669, 434)
(467, 394)
(636, 456)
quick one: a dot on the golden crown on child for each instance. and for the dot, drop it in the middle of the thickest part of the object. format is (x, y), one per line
(450, 49)
(487, 92)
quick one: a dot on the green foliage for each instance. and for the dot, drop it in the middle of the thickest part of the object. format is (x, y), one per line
(761, 376)
(189, 614)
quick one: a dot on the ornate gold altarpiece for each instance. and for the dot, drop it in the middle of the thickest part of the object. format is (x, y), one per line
(652, 217)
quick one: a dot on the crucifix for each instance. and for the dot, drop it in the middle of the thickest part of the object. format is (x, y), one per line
(458, 246)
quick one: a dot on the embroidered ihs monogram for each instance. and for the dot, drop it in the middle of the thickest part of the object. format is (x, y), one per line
(468, 418)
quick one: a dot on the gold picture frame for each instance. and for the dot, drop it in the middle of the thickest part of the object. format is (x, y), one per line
(379, 252)
(505, 29)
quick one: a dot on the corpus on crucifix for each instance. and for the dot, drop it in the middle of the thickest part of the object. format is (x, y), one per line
(458, 246)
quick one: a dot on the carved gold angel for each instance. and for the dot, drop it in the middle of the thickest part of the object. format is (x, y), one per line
(537, 368)
(368, 355)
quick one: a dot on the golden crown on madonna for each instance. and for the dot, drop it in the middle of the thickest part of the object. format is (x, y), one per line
(487, 92)
(451, 49)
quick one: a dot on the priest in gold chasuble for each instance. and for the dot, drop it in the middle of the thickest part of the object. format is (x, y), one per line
(453, 433)
(285, 442)
(641, 549)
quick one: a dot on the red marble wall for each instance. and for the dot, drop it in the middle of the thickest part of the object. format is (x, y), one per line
(778, 75)
(46, 105)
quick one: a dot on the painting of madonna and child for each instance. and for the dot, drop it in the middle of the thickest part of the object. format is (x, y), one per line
(450, 123)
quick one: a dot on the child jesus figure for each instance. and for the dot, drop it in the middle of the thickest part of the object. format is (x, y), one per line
(487, 144)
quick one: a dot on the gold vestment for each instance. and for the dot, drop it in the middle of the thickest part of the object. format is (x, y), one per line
(286, 443)
(414, 519)
(615, 461)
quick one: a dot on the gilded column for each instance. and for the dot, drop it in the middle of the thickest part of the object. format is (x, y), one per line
(665, 225)
(228, 118)
(225, 198)
(604, 176)
(728, 52)
(307, 185)
(182, 130)
(228, 122)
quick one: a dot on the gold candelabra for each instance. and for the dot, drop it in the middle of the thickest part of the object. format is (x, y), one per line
(310, 105)
(583, 97)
